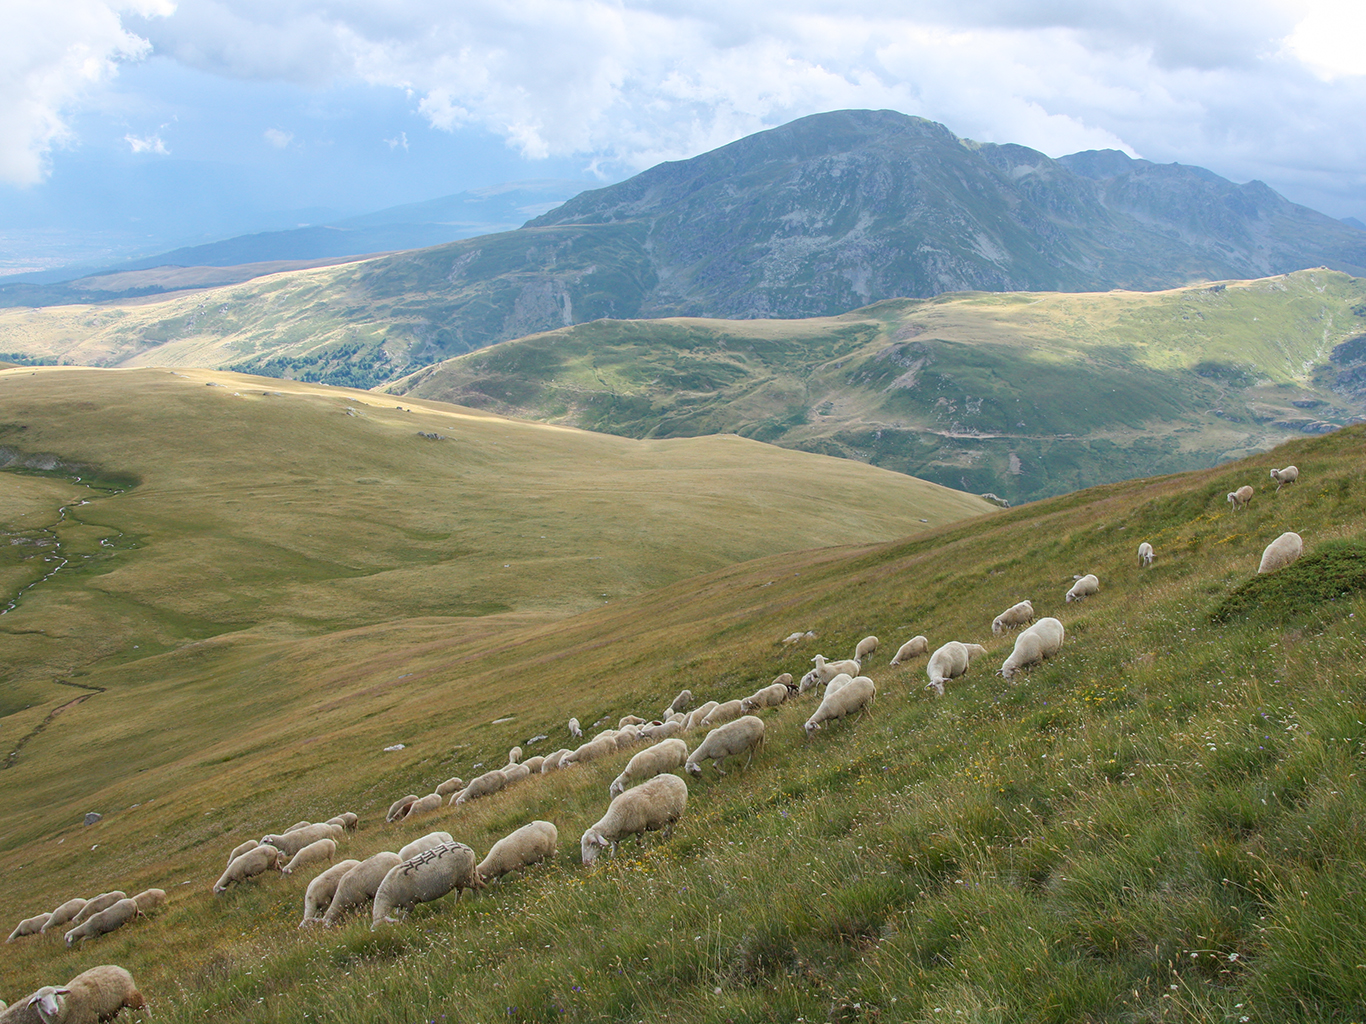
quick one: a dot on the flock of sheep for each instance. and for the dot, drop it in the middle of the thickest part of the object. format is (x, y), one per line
(645, 797)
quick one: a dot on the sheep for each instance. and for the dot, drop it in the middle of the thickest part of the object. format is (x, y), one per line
(514, 755)
(651, 807)
(662, 731)
(1145, 554)
(1239, 498)
(664, 756)
(29, 926)
(426, 877)
(94, 995)
(149, 900)
(359, 884)
(103, 901)
(552, 761)
(864, 647)
(515, 773)
(451, 785)
(1041, 640)
(318, 895)
(533, 764)
(424, 805)
(950, 662)
(852, 696)
(696, 716)
(323, 849)
(427, 842)
(1084, 587)
(1015, 615)
(769, 697)
(530, 844)
(574, 729)
(1289, 475)
(826, 671)
(787, 680)
(1281, 552)
(400, 807)
(599, 746)
(242, 848)
(106, 921)
(913, 647)
(744, 735)
(723, 713)
(680, 703)
(628, 736)
(63, 914)
(630, 720)
(254, 862)
(482, 785)
(838, 683)
(293, 842)
(296, 826)
(347, 820)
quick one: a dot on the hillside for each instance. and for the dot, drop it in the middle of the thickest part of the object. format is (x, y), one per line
(1160, 823)
(1023, 395)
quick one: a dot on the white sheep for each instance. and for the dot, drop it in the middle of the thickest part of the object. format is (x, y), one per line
(680, 703)
(149, 899)
(427, 842)
(451, 785)
(428, 876)
(515, 773)
(854, 695)
(769, 697)
(29, 926)
(1084, 587)
(914, 647)
(838, 683)
(864, 647)
(296, 826)
(664, 756)
(533, 764)
(826, 671)
(242, 848)
(630, 720)
(107, 920)
(1016, 615)
(1239, 498)
(103, 901)
(514, 755)
(1145, 554)
(574, 729)
(1289, 475)
(662, 731)
(1281, 552)
(1041, 640)
(723, 713)
(63, 914)
(481, 786)
(697, 714)
(291, 843)
(94, 995)
(423, 805)
(359, 884)
(552, 761)
(744, 735)
(256, 861)
(787, 680)
(950, 662)
(323, 849)
(651, 807)
(346, 819)
(400, 807)
(318, 895)
(597, 747)
(530, 844)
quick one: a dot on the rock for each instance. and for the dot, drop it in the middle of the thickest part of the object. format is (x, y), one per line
(93, 817)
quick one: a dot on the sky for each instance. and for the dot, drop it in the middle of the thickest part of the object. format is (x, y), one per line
(127, 123)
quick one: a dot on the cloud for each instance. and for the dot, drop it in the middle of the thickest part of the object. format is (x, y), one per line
(52, 55)
(277, 137)
(1332, 38)
(147, 144)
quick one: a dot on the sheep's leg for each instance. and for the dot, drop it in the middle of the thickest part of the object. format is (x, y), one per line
(719, 769)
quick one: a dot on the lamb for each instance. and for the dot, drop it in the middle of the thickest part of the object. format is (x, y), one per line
(853, 696)
(242, 848)
(291, 843)
(347, 820)
(426, 877)
(650, 807)
(359, 884)
(1083, 588)
(664, 756)
(950, 662)
(1239, 498)
(769, 697)
(106, 921)
(1281, 552)
(149, 900)
(427, 842)
(256, 861)
(320, 891)
(323, 849)
(1041, 640)
(103, 901)
(63, 914)
(514, 755)
(29, 926)
(530, 844)
(424, 805)
(1145, 554)
(723, 713)
(912, 648)
(400, 807)
(452, 785)
(744, 735)
(574, 729)
(680, 703)
(1289, 475)
(94, 995)
(483, 785)
(1015, 615)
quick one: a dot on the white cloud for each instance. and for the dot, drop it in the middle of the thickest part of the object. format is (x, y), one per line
(278, 137)
(400, 141)
(147, 144)
(53, 54)
(1332, 38)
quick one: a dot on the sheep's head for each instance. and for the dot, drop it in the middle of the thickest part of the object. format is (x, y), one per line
(591, 845)
(693, 768)
(616, 789)
(49, 1002)
(811, 728)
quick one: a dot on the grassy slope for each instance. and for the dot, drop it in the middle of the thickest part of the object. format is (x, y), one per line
(1161, 824)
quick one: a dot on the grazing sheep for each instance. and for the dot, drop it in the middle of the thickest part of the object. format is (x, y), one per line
(424, 878)
(552, 761)
(514, 755)
(574, 729)
(359, 884)
(425, 805)
(533, 764)
(664, 756)
(63, 914)
(94, 995)
(1289, 475)
(29, 926)
(1239, 498)
(323, 849)
(864, 647)
(838, 683)
(295, 827)
(530, 844)
(106, 921)
(1041, 640)
(950, 662)
(630, 720)
(481, 786)
(1145, 554)
(662, 731)
(451, 785)
(787, 680)
(1015, 615)
(242, 848)
(1281, 552)
(256, 861)
(695, 717)
(597, 747)
(826, 671)
(913, 647)
(399, 808)
(103, 901)
(854, 695)
(515, 773)
(318, 895)
(723, 713)
(427, 842)
(650, 807)
(149, 900)
(680, 703)
(1083, 588)
(744, 735)
(769, 697)
(293, 842)
(347, 820)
